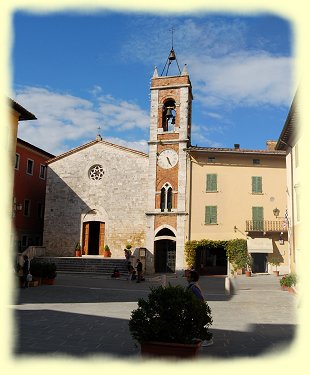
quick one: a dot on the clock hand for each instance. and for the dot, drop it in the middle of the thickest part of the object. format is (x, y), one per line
(168, 160)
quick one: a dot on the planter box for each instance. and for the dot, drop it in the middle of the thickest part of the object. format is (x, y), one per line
(33, 283)
(48, 281)
(169, 349)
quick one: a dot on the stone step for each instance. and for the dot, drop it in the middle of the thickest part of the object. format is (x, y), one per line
(88, 264)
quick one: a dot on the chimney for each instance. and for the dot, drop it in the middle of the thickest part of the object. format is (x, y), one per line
(236, 146)
(271, 145)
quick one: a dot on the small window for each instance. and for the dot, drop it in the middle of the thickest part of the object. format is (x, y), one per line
(42, 171)
(96, 172)
(166, 198)
(211, 182)
(27, 207)
(256, 161)
(40, 210)
(17, 160)
(211, 215)
(211, 159)
(257, 186)
(30, 164)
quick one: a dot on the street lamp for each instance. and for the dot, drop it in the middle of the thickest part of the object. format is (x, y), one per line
(276, 212)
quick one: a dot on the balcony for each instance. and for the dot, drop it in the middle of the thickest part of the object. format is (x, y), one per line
(266, 226)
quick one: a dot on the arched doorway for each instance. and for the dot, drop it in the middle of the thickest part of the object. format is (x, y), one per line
(93, 238)
(165, 251)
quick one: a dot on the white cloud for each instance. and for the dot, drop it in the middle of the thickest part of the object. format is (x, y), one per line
(65, 121)
(243, 79)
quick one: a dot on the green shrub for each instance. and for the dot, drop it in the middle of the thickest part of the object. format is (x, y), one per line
(170, 314)
(288, 280)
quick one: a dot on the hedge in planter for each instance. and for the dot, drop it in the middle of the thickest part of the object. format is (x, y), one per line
(171, 314)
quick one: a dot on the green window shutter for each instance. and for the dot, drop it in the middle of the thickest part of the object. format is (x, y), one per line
(257, 185)
(211, 182)
(211, 215)
(258, 218)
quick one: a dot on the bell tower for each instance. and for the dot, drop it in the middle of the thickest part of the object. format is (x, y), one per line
(170, 131)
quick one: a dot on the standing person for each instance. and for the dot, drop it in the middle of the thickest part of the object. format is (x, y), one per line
(131, 271)
(192, 278)
(139, 270)
(26, 271)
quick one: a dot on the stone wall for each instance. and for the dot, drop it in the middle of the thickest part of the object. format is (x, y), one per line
(119, 198)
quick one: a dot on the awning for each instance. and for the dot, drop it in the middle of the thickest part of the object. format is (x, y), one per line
(259, 245)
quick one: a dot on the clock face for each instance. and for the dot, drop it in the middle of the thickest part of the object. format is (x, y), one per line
(167, 159)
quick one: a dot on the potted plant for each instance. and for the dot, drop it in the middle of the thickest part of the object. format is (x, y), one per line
(78, 250)
(172, 322)
(48, 273)
(288, 281)
(107, 252)
(275, 261)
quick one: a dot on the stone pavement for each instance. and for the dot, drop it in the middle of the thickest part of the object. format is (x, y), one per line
(87, 315)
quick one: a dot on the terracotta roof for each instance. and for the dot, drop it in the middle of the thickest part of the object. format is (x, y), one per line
(289, 128)
(34, 148)
(23, 113)
(233, 150)
(89, 144)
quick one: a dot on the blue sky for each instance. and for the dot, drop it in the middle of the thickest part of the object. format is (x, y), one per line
(80, 71)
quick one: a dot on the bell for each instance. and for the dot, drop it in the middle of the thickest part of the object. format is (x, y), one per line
(169, 113)
(171, 55)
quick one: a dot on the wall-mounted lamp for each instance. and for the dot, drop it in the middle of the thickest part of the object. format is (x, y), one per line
(276, 212)
(235, 228)
(281, 240)
(19, 206)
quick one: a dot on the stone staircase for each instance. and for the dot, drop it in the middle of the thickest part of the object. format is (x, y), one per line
(88, 264)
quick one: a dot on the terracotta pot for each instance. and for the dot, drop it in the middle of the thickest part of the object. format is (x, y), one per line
(169, 349)
(78, 253)
(107, 254)
(276, 273)
(284, 287)
(248, 273)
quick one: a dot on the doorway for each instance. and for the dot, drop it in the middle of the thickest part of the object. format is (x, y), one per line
(93, 238)
(259, 262)
(164, 251)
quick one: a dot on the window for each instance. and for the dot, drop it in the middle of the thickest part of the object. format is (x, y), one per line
(30, 164)
(27, 207)
(257, 187)
(256, 161)
(40, 210)
(211, 159)
(17, 160)
(42, 171)
(166, 198)
(96, 172)
(258, 218)
(211, 182)
(211, 215)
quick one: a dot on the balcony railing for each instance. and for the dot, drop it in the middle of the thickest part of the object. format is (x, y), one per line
(266, 226)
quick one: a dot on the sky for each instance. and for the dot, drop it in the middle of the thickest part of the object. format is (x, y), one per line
(85, 73)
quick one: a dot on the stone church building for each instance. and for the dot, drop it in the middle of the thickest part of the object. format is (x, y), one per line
(104, 194)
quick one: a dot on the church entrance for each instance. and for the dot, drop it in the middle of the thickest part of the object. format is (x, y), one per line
(164, 256)
(93, 238)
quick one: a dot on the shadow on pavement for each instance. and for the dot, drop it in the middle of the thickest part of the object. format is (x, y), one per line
(46, 332)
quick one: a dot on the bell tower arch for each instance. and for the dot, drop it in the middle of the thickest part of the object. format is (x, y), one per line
(170, 132)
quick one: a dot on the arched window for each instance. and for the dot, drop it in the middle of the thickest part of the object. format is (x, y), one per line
(169, 115)
(166, 198)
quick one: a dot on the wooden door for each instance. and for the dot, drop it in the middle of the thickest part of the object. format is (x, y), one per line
(85, 238)
(101, 238)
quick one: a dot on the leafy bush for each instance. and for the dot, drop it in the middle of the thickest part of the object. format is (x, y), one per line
(42, 269)
(237, 253)
(170, 314)
(288, 280)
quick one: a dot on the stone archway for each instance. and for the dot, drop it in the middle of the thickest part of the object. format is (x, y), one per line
(165, 251)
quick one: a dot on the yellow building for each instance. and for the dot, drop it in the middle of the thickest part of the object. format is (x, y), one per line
(238, 193)
(289, 141)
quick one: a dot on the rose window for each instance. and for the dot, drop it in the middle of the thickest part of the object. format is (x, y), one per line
(96, 172)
